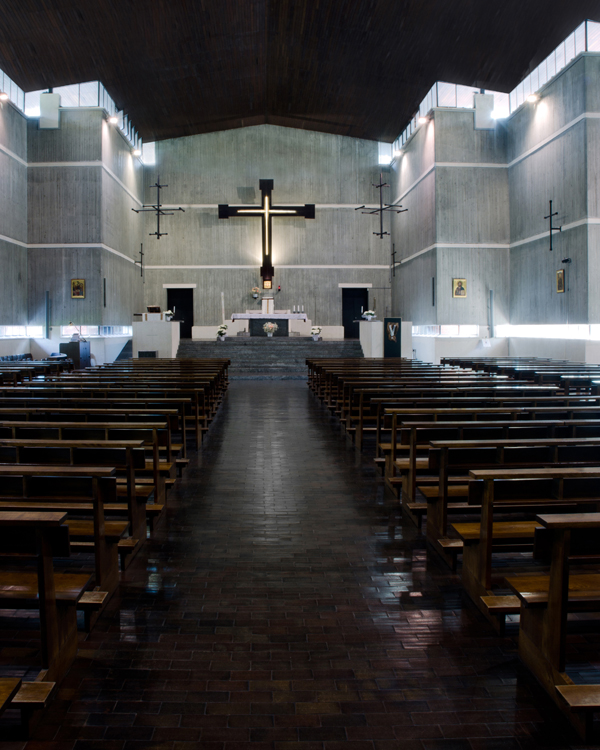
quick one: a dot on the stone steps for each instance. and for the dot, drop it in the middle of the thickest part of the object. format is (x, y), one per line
(259, 358)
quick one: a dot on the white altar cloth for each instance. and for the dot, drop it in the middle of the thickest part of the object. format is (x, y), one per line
(269, 316)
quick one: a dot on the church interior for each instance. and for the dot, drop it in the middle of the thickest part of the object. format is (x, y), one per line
(299, 375)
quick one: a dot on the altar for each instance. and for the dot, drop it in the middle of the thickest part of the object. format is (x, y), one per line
(256, 321)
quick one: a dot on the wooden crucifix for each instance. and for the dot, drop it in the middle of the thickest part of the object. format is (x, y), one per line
(266, 212)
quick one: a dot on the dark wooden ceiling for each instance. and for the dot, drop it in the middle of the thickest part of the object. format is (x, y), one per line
(352, 67)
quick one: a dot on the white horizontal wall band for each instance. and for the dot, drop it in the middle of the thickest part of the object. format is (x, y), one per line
(565, 228)
(234, 268)
(214, 206)
(498, 246)
(41, 164)
(87, 245)
(487, 165)
(416, 255)
(414, 185)
(471, 165)
(12, 154)
(13, 241)
(355, 286)
(556, 134)
(179, 286)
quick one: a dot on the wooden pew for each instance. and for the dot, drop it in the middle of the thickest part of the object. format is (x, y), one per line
(485, 414)
(545, 602)
(125, 455)
(559, 488)
(43, 536)
(448, 457)
(9, 687)
(82, 493)
(92, 406)
(155, 435)
(40, 415)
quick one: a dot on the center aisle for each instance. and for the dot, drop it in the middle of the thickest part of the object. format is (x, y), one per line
(283, 601)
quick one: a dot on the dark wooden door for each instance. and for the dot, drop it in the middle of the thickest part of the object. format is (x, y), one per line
(181, 301)
(353, 300)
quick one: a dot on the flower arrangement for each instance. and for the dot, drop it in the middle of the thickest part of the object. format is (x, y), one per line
(315, 330)
(169, 314)
(368, 314)
(270, 327)
(222, 330)
(255, 291)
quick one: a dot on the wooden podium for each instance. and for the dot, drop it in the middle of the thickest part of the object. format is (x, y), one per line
(79, 352)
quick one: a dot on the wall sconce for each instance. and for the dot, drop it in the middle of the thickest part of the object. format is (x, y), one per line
(3, 96)
(113, 120)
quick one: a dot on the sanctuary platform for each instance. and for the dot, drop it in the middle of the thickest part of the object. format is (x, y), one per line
(268, 359)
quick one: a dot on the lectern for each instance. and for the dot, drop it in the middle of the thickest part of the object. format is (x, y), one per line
(79, 352)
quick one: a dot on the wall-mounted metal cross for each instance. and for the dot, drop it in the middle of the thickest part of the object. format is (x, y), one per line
(552, 229)
(140, 262)
(383, 207)
(266, 212)
(158, 209)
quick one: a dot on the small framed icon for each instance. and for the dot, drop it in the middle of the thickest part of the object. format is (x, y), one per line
(78, 288)
(560, 281)
(459, 287)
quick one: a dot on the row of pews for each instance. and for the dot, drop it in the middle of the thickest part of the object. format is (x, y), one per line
(87, 462)
(497, 461)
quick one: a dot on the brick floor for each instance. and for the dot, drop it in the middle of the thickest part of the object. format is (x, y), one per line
(284, 605)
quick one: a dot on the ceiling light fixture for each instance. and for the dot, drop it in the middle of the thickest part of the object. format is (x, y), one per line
(3, 97)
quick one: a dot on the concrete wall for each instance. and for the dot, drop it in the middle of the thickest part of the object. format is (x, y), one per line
(485, 221)
(82, 184)
(454, 181)
(551, 151)
(13, 216)
(311, 257)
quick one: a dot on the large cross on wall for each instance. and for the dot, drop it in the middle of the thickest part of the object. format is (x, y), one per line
(266, 212)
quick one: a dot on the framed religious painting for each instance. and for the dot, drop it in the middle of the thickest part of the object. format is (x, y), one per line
(560, 281)
(78, 288)
(459, 287)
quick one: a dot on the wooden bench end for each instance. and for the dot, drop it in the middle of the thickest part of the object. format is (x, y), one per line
(580, 697)
(502, 605)
(33, 695)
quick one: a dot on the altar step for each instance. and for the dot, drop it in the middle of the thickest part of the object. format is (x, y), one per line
(258, 358)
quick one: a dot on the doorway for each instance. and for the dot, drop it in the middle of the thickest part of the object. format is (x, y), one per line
(353, 302)
(181, 302)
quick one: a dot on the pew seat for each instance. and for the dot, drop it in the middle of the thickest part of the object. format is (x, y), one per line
(9, 687)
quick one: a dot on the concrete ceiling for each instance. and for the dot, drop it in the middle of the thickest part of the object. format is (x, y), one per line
(351, 67)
